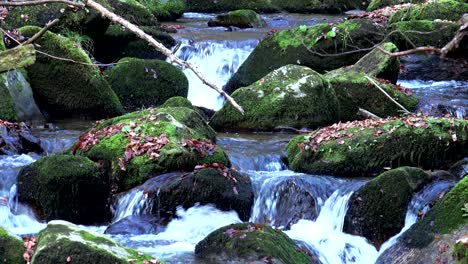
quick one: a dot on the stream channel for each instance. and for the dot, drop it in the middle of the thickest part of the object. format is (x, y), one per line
(309, 208)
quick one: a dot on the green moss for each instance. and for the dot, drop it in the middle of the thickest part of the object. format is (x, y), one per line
(249, 242)
(292, 96)
(177, 101)
(7, 107)
(367, 153)
(146, 83)
(305, 46)
(229, 5)
(60, 186)
(80, 90)
(460, 253)
(166, 10)
(243, 18)
(134, 11)
(441, 9)
(377, 4)
(445, 217)
(11, 248)
(2, 44)
(435, 34)
(377, 210)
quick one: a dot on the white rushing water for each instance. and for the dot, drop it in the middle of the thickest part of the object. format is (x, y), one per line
(217, 61)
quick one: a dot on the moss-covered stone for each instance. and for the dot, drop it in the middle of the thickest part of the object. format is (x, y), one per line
(229, 5)
(166, 10)
(434, 34)
(146, 83)
(354, 91)
(134, 11)
(61, 241)
(248, 242)
(377, 4)
(2, 43)
(207, 186)
(11, 248)
(69, 89)
(445, 217)
(306, 46)
(7, 107)
(440, 9)
(363, 150)
(126, 44)
(291, 96)
(66, 187)
(377, 210)
(243, 18)
(177, 101)
(176, 123)
(460, 252)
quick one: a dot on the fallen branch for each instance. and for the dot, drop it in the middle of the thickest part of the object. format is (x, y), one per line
(368, 114)
(387, 95)
(40, 2)
(41, 32)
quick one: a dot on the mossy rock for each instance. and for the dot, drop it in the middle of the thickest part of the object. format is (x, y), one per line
(243, 18)
(377, 64)
(166, 10)
(249, 242)
(377, 210)
(434, 34)
(460, 252)
(143, 83)
(206, 186)
(178, 101)
(60, 186)
(291, 96)
(84, 21)
(204, 6)
(377, 4)
(440, 9)
(126, 44)
(68, 89)
(7, 106)
(317, 6)
(11, 248)
(134, 11)
(297, 46)
(445, 217)
(2, 43)
(61, 241)
(354, 91)
(177, 123)
(365, 151)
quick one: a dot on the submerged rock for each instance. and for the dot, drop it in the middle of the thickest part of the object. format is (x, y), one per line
(60, 186)
(377, 210)
(64, 242)
(292, 96)
(364, 148)
(441, 9)
(307, 46)
(226, 189)
(434, 238)
(11, 248)
(137, 225)
(64, 89)
(250, 243)
(16, 138)
(146, 83)
(147, 143)
(243, 18)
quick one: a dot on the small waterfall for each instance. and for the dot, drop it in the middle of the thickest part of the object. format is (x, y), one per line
(326, 237)
(14, 216)
(22, 95)
(217, 61)
(131, 203)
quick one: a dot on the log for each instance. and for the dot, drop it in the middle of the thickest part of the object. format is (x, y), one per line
(18, 57)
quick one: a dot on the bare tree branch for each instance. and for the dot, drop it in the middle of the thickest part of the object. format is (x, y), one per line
(41, 32)
(40, 2)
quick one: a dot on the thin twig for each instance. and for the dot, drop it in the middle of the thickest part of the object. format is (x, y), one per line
(41, 32)
(386, 94)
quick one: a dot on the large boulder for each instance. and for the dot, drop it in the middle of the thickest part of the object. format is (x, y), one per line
(144, 144)
(354, 90)
(134, 11)
(307, 46)
(60, 186)
(146, 83)
(17, 102)
(377, 210)
(205, 6)
(291, 96)
(243, 18)
(365, 148)
(68, 89)
(167, 10)
(224, 188)
(420, 33)
(63, 242)
(11, 248)
(439, 237)
(249, 243)
(16, 138)
(126, 44)
(377, 4)
(441, 9)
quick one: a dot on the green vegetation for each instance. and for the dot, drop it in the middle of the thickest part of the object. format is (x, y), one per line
(442, 9)
(243, 18)
(11, 248)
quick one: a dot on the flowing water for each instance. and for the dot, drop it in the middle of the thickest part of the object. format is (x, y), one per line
(310, 208)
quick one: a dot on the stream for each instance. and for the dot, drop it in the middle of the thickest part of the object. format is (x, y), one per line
(309, 208)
